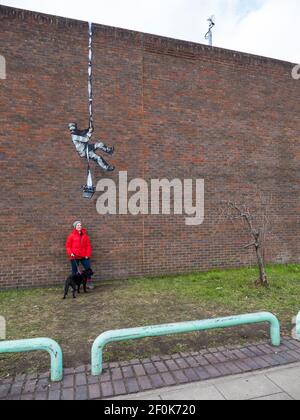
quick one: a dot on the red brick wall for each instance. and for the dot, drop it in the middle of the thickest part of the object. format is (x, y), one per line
(173, 109)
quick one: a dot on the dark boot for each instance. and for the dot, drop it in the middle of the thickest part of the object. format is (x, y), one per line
(104, 165)
(110, 168)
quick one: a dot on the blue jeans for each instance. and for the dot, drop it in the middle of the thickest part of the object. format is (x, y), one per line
(75, 264)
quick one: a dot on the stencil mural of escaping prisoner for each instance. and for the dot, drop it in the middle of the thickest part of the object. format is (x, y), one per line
(2, 67)
(81, 138)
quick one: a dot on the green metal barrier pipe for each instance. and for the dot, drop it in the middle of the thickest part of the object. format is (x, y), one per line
(298, 326)
(43, 344)
(184, 327)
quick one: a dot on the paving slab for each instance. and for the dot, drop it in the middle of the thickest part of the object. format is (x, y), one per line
(288, 380)
(276, 397)
(209, 393)
(248, 389)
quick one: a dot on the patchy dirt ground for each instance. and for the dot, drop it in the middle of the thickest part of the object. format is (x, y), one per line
(123, 304)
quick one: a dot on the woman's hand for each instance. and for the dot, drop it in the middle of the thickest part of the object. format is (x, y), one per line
(72, 255)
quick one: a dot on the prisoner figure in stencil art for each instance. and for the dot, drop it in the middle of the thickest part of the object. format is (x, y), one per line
(81, 138)
(81, 141)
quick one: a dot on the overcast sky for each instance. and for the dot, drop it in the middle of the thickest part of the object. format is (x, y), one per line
(265, 27)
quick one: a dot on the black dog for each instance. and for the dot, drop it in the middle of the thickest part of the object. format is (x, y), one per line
(76, 280)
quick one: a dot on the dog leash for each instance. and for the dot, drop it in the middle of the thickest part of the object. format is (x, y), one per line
(78, 272)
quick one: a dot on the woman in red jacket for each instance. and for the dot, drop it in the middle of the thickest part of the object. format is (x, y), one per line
(79, 249)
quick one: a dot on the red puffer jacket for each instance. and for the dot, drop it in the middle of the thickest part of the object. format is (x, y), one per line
(79, 245)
